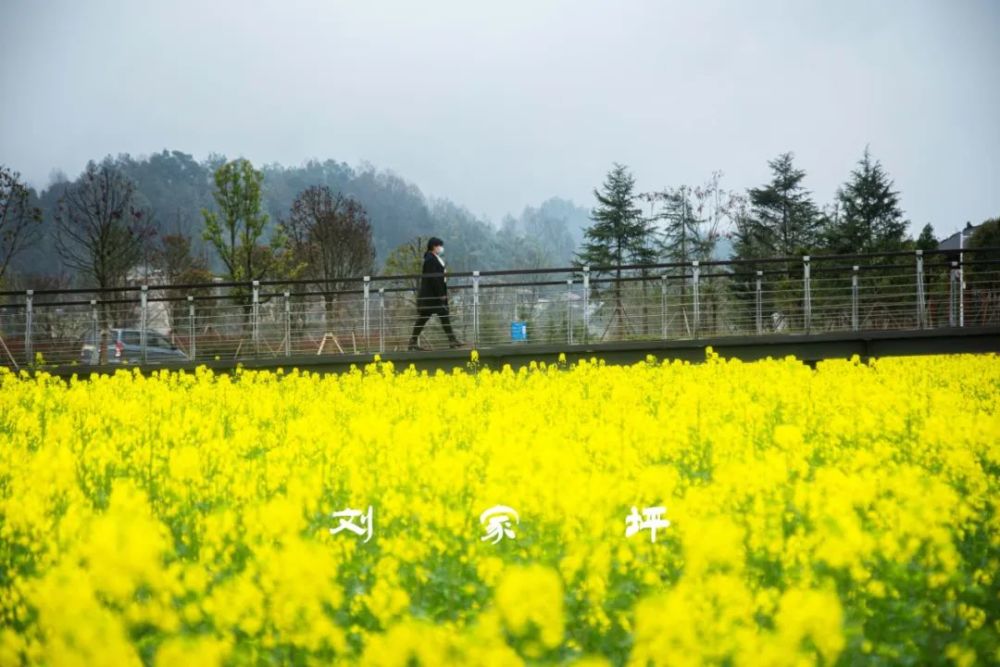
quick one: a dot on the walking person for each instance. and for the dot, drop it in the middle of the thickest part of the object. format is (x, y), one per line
(432, 297)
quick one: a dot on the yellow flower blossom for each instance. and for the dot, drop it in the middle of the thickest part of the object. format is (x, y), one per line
(839, 514)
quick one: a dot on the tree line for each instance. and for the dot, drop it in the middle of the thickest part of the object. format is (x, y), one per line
(170, 218)
(124, 219)
(779, 218)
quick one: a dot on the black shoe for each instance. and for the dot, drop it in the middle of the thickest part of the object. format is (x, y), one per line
(416, 348)
(456, 343)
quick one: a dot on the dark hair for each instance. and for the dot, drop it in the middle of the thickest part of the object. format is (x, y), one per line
(432, 242)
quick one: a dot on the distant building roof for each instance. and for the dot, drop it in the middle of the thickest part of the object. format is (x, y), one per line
(952, 242)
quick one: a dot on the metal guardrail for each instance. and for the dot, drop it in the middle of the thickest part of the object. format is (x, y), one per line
(896, 291)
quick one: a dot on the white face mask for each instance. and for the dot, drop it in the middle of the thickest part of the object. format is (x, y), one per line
(440, 251)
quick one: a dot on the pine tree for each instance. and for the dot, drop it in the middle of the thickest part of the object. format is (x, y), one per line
(927, 240)
(620, 234)
(783, 219)
(870, 219)
(681, 240)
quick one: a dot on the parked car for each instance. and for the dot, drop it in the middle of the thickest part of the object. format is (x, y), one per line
(126, 345)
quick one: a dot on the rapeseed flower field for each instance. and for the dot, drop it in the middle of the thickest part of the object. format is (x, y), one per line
(664, 513)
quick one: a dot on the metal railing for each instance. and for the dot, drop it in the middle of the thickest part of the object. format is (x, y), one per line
(905, 290)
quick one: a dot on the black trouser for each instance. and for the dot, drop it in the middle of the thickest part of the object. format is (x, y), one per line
(424, 313)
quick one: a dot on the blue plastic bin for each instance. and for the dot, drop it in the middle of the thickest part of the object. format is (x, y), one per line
(518, 331)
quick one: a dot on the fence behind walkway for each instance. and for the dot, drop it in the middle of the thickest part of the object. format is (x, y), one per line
(792, 295)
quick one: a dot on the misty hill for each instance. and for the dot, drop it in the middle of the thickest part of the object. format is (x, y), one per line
(176, 187)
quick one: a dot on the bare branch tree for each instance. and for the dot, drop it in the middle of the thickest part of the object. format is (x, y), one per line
(101, 231)
(331, 235)
(19, 221)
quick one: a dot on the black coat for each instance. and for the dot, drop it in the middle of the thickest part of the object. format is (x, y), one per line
(433, 292)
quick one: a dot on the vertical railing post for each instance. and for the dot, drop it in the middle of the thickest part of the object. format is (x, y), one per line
(961, 278)
(953, 289)
(855, 324)
(569, 311)
(191, 328)
(29, 299)
(95, 329)
(143, 321)
(255, 317)
(759, 304)
(288, 323)
(696, 281)
(663, 306)
(381, 320)
(921, 305)
(586, 304)
(806, 295)
(366, 314)
(961, 286)
(475, 309)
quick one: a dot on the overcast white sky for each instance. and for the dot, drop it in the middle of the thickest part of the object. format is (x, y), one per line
(505, 104)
